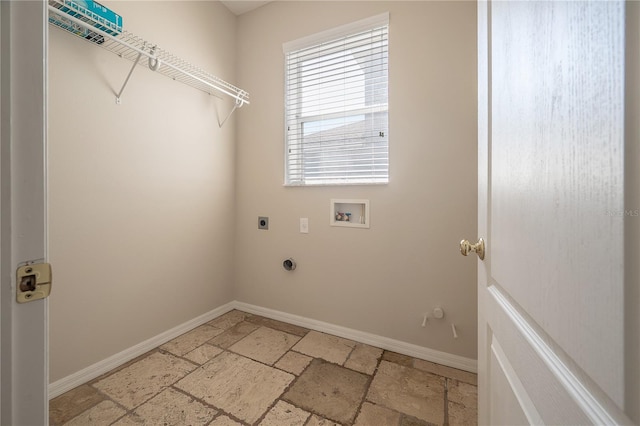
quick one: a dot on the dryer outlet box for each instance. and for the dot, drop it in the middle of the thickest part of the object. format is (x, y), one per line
(263, 222)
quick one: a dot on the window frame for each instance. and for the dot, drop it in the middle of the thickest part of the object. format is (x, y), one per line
(297, 124)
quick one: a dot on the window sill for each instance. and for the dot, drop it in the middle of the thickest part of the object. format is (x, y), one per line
(307, 185)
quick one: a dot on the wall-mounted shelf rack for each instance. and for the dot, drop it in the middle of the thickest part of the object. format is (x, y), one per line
(91, 27)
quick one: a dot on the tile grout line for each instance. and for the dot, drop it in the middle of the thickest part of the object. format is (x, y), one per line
(228, 349)
(260, 325)
(108, 398)
(364, 363)
(368, 387)
(446, 401)
(164, 388)
(281, 397)
(220, 411)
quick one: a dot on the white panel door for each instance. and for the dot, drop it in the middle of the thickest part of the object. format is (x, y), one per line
(23, 344)
(551, 208)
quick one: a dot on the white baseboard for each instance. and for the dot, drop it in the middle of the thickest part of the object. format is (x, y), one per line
(89, 373)
(421, 352)
(86, 374)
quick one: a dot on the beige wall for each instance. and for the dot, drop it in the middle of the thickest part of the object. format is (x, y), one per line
(141, 194)
(381, 280)
(152, 205)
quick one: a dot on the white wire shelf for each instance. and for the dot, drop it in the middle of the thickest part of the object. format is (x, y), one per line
(95, 29)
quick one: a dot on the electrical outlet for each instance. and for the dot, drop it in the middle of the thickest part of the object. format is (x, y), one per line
(304, 225)
(263, 222)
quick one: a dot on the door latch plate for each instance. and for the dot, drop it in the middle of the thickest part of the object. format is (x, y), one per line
(33, 282)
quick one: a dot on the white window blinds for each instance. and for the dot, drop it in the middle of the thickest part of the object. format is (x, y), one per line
(336, 107)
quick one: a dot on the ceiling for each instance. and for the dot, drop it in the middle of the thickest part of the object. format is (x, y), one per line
(238, 7)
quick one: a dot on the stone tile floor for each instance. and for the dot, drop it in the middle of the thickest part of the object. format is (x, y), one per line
(243, 369)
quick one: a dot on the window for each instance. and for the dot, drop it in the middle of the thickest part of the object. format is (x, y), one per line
(336, 108)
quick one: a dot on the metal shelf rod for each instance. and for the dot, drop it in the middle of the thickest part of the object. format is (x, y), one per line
(127, 79)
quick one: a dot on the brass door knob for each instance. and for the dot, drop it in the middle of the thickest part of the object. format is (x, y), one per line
(478, 248)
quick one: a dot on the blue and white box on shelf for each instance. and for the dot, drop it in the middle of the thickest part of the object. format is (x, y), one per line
(93, 13)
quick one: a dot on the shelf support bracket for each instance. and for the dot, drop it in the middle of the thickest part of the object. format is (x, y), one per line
(239, 103)
(135, 64)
